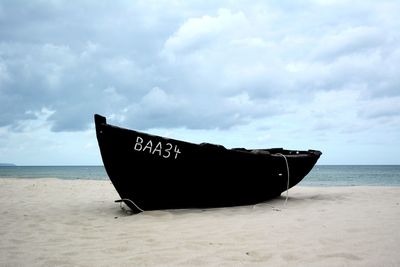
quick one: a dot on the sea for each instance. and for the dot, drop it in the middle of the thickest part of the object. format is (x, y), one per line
(320, 175)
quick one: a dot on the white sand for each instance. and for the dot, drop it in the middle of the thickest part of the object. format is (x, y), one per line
(51, 222)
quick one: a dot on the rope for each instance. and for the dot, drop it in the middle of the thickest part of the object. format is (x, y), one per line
(287, 169)
(127, 199)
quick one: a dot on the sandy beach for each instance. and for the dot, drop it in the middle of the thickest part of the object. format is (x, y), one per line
(53, 222)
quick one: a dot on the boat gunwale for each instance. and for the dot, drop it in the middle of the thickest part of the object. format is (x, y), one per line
(278, 152)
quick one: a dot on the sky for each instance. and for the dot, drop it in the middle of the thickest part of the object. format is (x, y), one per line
(300, 75)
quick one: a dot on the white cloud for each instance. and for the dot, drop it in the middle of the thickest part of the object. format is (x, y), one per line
(353, 40)
(316, 70)
(386, 107)
(197, 33)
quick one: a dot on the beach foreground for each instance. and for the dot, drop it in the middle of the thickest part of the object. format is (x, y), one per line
(53, 222)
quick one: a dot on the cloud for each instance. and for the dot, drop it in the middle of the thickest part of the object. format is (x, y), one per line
(386, 107)
(199, 66)
(354, 40)
(4, 75)
(198, 33)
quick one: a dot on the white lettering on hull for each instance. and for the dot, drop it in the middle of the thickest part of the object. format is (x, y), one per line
(165, 150)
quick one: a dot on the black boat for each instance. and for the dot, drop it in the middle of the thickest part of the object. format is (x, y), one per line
(151, 172)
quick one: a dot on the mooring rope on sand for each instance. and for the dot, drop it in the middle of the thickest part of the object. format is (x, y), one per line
(127, 199)
(287, 185)
(287, 169)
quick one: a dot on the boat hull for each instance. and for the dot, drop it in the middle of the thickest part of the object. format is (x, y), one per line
(152, 172)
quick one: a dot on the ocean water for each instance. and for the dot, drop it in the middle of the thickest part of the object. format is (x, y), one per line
(353, 175)
(61, 172)
(320, 175)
